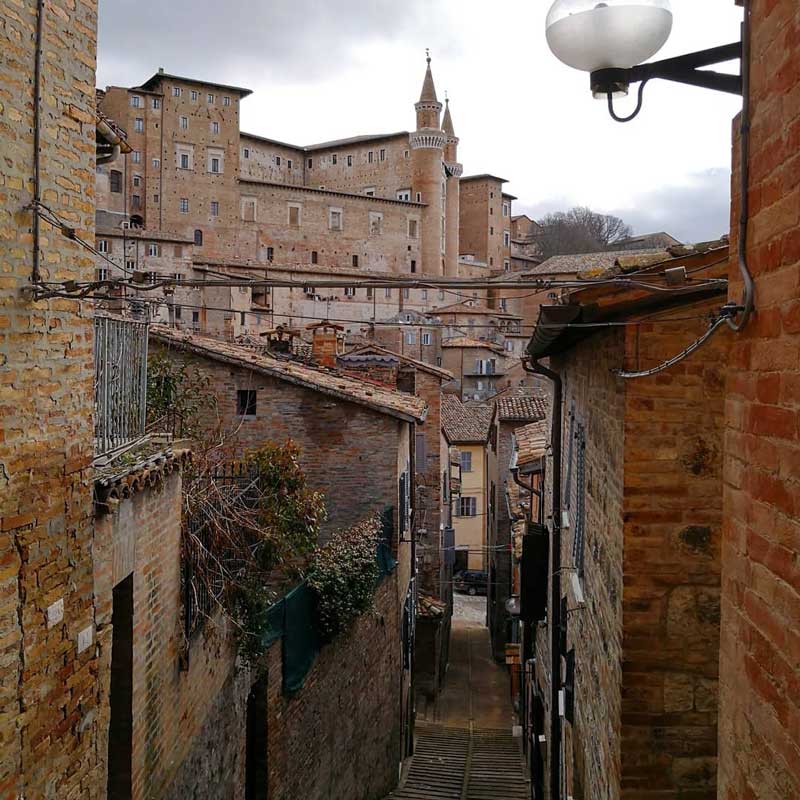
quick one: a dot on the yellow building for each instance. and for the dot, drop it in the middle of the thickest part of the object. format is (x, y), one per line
(473, 430)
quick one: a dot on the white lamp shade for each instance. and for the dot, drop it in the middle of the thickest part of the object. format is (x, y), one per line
(591, 35)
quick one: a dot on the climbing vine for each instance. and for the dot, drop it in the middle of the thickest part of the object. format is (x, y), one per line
(343, 574)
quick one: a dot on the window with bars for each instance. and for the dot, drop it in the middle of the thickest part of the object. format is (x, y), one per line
(579, 540)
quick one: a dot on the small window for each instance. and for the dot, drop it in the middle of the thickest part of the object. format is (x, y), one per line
(441, 294)
(246, 152)
(226, 101)
(195, 95)
(176, 91)
(294, 216)
(406, 294)
(136, 101)
(215, 128)
(198, 237)
(210, 98)
(383, 155)
(375, 223)
(215, 208)
(506, 265)
(184, 161)
(246, 402)
(137, 180)
(101, 274)
(184, 205)
(136, 201)
(309, 290)
(350, 291)
(102, 245)
(370, 191)
(405, 153)
(491, 230)
(349, 161)
(184, 124)
(288, 163)
(242, 319)
(509, 346)
(335, 219)
(468, 507)
(156, 163)
(156, 198)
(270, 254)
(136, 157)
(156, 103)
(177, 312)
(334, 159)
(310, 163)
(138, 125)
(466, 461)
(505, 209)
(355, 261)
(424, 294)
(277, 161)
(419, 197)
(404, 194)
(195, 317)
(413, 265)
(370, 293)
(387, 292)
(314, 257)
(215, 165)
(115, 178)
(411, 337)
(370, 157)
(427, 339)
(506, 239)
(413, 229)
(153, 249)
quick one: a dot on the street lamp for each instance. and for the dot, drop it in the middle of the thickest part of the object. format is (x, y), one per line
(611, 39)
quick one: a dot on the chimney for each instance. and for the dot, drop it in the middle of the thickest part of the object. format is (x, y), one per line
(326, 343)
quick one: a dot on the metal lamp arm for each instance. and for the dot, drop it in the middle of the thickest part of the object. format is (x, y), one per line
(682, 69)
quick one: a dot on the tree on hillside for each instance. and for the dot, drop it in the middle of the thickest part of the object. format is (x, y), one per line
(580, 230)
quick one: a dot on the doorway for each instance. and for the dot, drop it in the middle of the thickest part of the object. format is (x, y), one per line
(256, 763)
(120, 733)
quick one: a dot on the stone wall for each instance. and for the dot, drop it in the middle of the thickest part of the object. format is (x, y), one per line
(50, 712)
(340, 735)
(760, 659)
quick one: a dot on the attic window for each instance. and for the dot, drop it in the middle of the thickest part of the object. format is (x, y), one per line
(246, 402)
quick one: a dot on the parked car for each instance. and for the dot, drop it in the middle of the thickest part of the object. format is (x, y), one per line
(471, 581)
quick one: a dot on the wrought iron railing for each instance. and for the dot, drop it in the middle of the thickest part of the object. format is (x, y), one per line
(120, 382)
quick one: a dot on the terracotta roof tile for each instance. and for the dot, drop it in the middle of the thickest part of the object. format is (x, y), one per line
(532, 442)
(465, 424)
(527, 407)
(466, 341)
(343, 387)
(444, 374)
(585, 262)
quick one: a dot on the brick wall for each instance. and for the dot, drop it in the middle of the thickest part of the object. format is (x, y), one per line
(348, 452)
(176, 713)
(340, 735)
(49, 717)
(760, 653)
(647, 640)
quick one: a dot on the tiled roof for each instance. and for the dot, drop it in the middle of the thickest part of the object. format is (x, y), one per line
(532, 442)
(529, 406)
(465, 424)
(466, 341)
(584, 262)
(330, 382)
(161, 75)
(464, 307)
(444, 374)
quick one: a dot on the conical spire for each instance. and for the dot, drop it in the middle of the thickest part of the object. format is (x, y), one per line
(428, 89)
(447, 122)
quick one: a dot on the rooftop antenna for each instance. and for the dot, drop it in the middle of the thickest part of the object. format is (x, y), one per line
(428, 54)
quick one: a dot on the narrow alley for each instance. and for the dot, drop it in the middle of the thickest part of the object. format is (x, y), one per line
(465, 749)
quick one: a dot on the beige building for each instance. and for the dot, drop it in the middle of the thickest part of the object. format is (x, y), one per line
(236, 202)
(473, 430)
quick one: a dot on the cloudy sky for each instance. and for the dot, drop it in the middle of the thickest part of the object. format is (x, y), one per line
(325, 69)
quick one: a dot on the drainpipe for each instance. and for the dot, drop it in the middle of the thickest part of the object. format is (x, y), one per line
(112, 138)
(536, 368)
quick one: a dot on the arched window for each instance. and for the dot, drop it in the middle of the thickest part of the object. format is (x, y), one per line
(198, 237)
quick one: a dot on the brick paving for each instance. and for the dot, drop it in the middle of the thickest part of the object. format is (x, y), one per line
(464, 747)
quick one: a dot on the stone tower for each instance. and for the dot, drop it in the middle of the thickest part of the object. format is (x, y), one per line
(453, 171)
(428, 183)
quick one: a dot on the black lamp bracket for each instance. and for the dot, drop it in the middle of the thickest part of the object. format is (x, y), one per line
(683, 69)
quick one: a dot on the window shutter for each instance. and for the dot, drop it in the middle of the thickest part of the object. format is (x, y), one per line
(421, 453)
